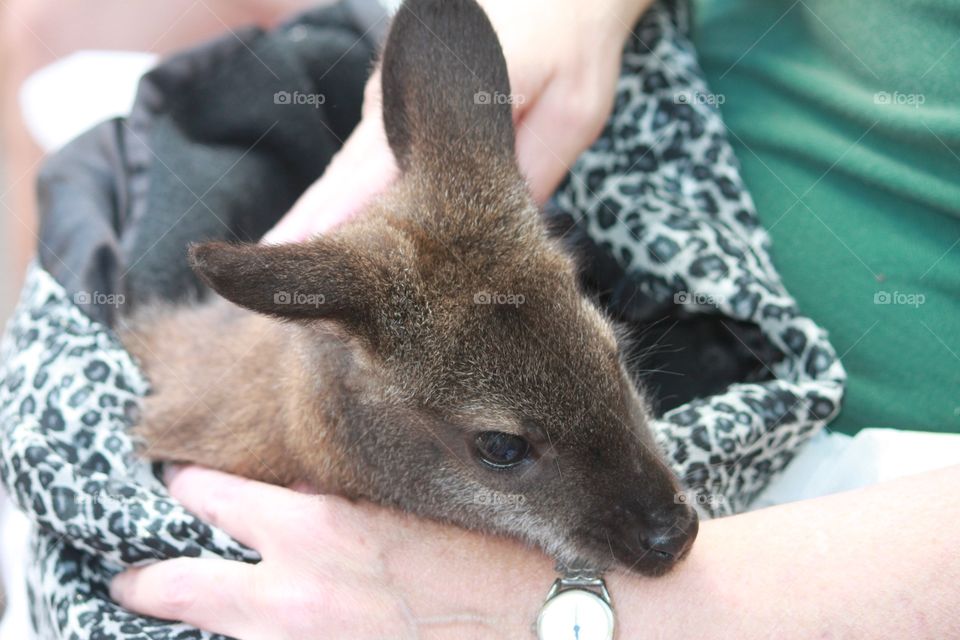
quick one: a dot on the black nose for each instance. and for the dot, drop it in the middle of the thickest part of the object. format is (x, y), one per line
(670, 535)
(654, 541)
(673, 543)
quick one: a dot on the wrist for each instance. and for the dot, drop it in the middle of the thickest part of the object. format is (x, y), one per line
(465, 585)
(624, 14)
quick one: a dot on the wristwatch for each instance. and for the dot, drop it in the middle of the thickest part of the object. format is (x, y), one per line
(577, 608)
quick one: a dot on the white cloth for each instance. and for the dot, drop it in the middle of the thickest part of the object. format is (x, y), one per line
(833, 462)
(14, 537)
(64, 99)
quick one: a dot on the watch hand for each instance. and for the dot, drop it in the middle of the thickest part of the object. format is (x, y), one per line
(576, 622)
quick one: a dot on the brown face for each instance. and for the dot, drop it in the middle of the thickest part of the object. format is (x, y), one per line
(519, 417)
(480, 386)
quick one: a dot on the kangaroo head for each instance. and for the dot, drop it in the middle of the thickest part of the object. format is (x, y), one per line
(474, 382)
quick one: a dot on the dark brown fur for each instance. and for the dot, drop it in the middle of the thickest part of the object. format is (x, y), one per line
(375, 376)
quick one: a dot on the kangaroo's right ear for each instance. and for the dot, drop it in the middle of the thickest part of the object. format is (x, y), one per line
(445, 86)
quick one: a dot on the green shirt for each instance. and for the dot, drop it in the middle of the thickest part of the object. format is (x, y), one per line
(846, 118)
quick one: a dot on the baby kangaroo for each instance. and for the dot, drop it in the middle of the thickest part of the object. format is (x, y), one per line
(435, 355)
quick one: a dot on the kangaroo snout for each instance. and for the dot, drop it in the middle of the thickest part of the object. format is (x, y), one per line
(642, 521)
(663, 544)
(652, 543)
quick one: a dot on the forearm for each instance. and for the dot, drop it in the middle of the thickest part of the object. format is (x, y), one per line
(869, 563)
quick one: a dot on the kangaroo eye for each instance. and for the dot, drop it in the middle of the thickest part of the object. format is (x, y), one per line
(500, 450)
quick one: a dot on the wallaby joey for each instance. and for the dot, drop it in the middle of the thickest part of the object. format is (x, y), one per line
(436, 354)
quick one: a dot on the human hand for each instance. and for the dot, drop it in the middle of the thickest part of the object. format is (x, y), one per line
(563, 57)
(332, 568)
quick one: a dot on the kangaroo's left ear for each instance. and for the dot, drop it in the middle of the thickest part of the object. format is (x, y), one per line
(445, 86)
(338, 278)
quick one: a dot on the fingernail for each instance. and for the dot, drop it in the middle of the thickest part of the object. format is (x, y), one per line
(170, 472)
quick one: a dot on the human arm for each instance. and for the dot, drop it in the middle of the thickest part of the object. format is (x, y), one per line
(877, 562)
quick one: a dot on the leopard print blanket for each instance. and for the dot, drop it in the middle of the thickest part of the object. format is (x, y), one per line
(660, 190)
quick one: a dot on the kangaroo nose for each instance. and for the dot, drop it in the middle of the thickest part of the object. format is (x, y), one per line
(653, 542)
(673, 536)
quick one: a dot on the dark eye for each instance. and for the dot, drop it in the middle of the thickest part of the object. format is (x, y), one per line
(500, 449)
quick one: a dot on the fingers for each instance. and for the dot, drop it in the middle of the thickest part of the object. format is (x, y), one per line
(554, 132)
(360, 171)
(256, 514)
(199, 591)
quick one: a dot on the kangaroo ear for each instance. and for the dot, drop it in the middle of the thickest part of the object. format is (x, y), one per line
(445, 86)
(323, 278)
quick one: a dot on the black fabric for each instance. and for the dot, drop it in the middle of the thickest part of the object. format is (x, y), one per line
(676, 354)
(82, 198)
(211, 150)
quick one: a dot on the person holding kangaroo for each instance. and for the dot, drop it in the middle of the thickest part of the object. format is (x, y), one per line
(335, 568)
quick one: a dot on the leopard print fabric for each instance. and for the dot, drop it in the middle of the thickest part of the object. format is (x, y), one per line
(660, 190)
(68, 393)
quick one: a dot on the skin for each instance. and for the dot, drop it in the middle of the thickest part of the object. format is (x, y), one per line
(873, 563)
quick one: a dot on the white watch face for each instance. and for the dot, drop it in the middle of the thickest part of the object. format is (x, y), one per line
(575, 614)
